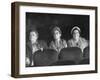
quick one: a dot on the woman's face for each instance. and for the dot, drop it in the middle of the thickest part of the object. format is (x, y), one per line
(76, 34)
(57, 34)
(33, 37)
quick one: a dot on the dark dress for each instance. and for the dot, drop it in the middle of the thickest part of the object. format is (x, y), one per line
(55, 46)
(32, 48)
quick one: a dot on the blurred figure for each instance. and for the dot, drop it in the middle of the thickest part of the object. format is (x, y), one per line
(77, 40)
(27, 61)
(58, 43)
(32, 46)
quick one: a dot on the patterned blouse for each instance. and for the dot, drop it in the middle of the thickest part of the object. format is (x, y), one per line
(82, 43)
(58, 46)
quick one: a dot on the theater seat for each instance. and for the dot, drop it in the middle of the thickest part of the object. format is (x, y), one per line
(71, 53)
(68, 62)
(84, 61)
(45, 57)
(86, 53)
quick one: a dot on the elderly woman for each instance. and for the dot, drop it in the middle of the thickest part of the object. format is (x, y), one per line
(77, 40)
(58, 43)
(32, 46)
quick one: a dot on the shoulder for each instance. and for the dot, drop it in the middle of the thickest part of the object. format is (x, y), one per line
(52, 43)
(63, 40)
(64, 43)
(83, 39)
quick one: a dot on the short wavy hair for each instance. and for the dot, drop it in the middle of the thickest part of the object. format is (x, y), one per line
(56, 29)
(33, 30)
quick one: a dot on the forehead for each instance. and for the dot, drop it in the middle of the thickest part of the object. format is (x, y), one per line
(56, 31)
(33, 33)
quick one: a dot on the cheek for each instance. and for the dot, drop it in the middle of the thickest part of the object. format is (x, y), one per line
(77, 35)
(74, 35)
(57, 35)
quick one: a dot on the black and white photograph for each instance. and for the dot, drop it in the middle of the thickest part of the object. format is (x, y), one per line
(56, 39)
(51, 39)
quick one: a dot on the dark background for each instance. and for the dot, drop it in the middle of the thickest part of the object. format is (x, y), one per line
(44, 23)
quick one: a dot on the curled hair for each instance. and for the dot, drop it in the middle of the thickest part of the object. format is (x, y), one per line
(33, 30)
(56, 29)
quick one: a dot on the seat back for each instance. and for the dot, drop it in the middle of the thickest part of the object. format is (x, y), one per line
(45, 57)
(86, 53)
(68, 62)
(71, 53)
(84, 61)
